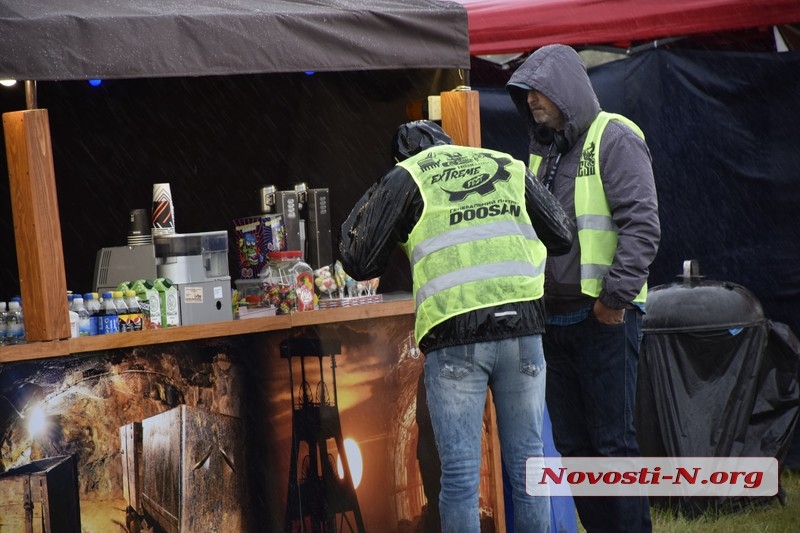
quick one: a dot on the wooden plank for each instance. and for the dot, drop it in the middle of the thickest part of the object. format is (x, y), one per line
(461, 116)
(12, 494)
(130, 436)
(34, 350)
(356, 312)
(393, 305)
(41, 485)
(30, 505)
(18, 505)
(495, 464)
(179, 333)
(37, 228)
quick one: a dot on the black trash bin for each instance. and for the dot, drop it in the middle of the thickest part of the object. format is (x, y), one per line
(716, 379)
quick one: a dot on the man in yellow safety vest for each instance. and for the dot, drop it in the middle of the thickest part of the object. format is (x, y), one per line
(476, 227)
(599, 167)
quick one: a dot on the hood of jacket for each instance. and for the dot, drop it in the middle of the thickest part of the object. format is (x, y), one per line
(413, 137)
(558, 72)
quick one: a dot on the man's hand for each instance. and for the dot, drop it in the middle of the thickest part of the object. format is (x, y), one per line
(606, 315)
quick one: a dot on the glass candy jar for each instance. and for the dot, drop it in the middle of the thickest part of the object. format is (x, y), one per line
(287, 283)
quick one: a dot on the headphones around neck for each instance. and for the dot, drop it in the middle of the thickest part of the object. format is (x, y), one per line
(546, 135)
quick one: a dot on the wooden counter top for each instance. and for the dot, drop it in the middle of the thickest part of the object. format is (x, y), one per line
(393, 305)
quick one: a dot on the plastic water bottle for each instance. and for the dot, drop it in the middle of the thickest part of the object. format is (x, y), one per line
(92, 305)
(71, 297)
(73, 316)
(84, 323)
(135, 319)
(108, 315)
(15, 324)
(122, 311)
(3, 320)
(73, 324)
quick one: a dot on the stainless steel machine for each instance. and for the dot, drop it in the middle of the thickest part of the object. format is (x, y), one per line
(319, 248)
(197, 264)
(116, 264)
(306, 217)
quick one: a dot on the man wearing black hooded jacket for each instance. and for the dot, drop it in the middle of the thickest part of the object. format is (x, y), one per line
(599, 167)
(476, 227)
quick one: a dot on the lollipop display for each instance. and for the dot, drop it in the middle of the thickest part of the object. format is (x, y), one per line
(287, 283)
(336, 281)
(342, 279)
(325, 281)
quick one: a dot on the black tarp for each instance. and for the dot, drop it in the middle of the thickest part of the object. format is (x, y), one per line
(84, 39)
(716, 379)
(231, 94)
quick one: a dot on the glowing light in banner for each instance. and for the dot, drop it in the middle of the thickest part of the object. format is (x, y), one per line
(36, 421)
(8, 83)
(354, 460)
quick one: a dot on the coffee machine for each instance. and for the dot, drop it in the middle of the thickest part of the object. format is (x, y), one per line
(306, 218)
(318, 229)
(197, 264)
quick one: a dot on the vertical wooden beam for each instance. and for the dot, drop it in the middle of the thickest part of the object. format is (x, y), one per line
(495, 464)
(37, 227)
(461, 116)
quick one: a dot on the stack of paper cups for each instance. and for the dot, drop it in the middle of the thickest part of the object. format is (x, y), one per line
(139, 232)
(163, 210)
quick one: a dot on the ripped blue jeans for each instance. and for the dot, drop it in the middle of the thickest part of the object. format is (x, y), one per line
(456, 379)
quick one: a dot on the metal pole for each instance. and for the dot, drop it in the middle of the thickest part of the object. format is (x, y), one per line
(30, 94)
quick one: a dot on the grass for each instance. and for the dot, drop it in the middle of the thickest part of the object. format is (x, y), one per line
(772, 518)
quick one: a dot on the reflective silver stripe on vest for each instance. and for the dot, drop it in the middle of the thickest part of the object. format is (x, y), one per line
(469, 234)
(594, 270)
(477, 273)
(599, 222)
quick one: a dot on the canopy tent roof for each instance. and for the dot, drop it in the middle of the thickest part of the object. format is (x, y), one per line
(84, 39)
(515, 26)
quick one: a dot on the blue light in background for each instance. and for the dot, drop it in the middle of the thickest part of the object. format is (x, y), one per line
(95, 83)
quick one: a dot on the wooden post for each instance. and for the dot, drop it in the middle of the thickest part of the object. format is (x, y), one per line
(461, 116)
(495, 464)
(37, 227)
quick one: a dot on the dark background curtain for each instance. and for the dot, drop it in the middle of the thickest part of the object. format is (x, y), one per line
(724, 134)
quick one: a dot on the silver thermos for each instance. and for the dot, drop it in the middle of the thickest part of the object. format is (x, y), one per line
(268, 200)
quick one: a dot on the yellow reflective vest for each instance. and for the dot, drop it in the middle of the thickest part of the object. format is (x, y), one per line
(597, 232)
(473, 246)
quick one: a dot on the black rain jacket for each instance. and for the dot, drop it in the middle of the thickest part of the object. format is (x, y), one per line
(386, 214)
